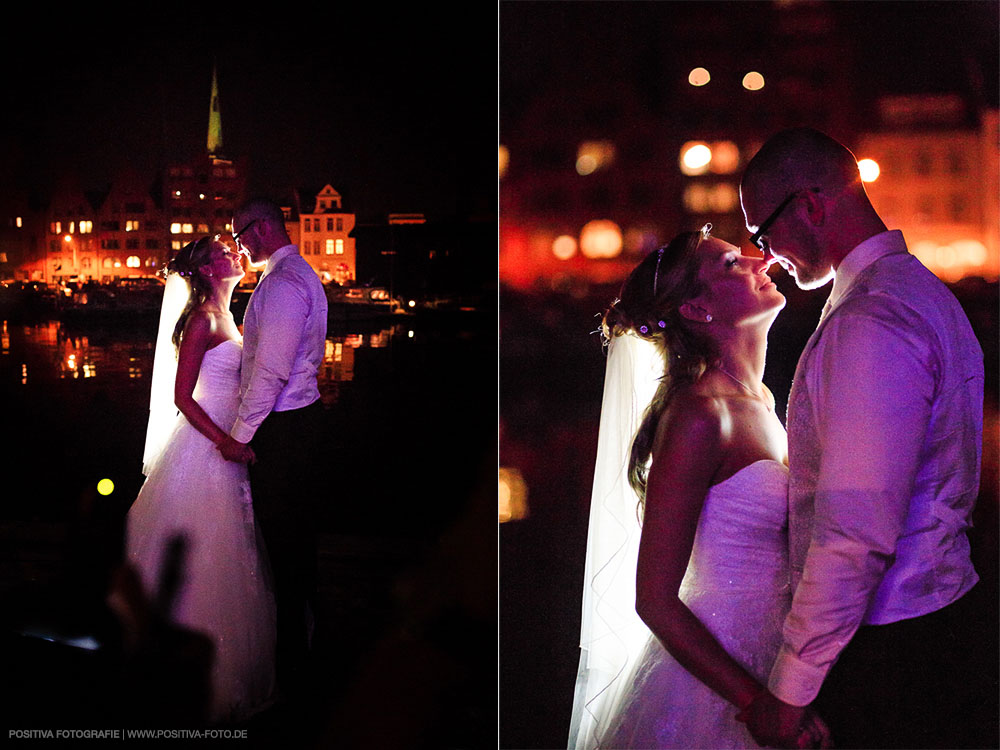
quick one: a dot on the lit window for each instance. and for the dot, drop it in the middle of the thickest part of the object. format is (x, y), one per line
(329, 247)
(187, 228)
(56, 227)
(601, 239)
(203, 228)
(175, 228)
(72, 227)
(108, 263)
(133, 261)
(19, 222)
(176, 245)
(86, 227)
(339, 245)
(504, 160)
(725, 157)
(695, 158)
(131, 226)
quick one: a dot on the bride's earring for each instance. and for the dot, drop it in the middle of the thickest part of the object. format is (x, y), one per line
(708, 318)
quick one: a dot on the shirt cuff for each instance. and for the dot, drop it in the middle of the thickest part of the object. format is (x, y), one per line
(794, 681)
(242, 431)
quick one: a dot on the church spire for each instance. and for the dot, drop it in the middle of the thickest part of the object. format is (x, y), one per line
(214, 120)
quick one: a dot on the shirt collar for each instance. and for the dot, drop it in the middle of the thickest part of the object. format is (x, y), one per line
(862, 256)
(277, 256)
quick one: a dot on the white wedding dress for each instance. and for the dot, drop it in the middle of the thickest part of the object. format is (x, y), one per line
(225, 588)
(737, 584)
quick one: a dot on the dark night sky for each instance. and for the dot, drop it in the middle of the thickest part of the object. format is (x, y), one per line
(393, 105)
(903, 46)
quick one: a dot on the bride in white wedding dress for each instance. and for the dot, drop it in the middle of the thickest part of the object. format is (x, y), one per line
(686, 578)
(192, 492)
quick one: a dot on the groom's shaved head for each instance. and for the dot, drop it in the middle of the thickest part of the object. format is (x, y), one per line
(261, 209)
(796, 159)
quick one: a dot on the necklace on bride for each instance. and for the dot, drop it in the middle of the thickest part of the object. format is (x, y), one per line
(751, 391)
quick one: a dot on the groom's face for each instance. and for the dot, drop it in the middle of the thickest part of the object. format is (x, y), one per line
(247, 240)
(789, 240)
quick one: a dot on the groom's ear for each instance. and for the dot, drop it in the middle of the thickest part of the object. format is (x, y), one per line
(815, 207)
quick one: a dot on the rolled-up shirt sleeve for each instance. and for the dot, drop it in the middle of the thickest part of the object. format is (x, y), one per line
(871, 384)
(281, 310)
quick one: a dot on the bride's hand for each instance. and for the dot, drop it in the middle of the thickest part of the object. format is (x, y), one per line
(814, 732)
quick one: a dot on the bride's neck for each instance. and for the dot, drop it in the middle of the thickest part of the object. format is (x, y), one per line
(744, 354)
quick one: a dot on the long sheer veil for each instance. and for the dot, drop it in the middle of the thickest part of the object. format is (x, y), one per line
(612, 635)
(162, 412)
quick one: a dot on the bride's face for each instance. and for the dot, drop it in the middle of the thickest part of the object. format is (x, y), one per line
(737, 288)
(223, 263)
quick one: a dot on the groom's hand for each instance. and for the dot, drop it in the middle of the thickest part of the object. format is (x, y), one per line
(233, 450)
(774, 723)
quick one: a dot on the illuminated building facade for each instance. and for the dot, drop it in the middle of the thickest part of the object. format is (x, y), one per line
(322, 232)
(939, 166)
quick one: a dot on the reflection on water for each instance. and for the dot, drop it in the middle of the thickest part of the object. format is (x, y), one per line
(47, 351)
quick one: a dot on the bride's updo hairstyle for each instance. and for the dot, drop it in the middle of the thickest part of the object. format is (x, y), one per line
(186, 263)
(648, 306)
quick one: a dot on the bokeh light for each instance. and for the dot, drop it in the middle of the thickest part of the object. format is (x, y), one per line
(753, 81)
(504, 156)
(564, 247)
(869, 170)
(695, 157)
(105, 487)
(601, 239)
(699, 77)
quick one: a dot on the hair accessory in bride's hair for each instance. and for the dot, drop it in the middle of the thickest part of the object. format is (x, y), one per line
(643, 329)
(706, 230)
(661, 323)
(656, 273)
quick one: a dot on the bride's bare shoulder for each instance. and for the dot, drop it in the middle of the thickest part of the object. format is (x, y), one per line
(693, 417)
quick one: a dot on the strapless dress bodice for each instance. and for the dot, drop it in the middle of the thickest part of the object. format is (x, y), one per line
(741, 540)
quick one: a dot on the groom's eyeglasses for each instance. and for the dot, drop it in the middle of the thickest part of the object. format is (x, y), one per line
(236, 237)
(757, 238)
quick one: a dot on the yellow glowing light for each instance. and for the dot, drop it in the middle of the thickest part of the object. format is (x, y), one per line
(586, 164)
(753, 81)
(412, 303)
(869, 170)
(601, 239)
(504, 155)
(594, 155)
(564, 247)
(695, 157)
(699, 77)
(67, 238)
(512, 495)
(105, 487)
(725, 157)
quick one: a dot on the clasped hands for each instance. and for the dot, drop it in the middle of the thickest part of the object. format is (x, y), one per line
(774, 723)
(233, 450)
